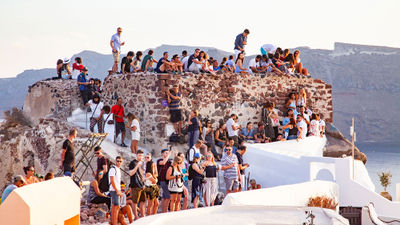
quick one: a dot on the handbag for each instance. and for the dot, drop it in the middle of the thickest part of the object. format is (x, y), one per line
(112, 121)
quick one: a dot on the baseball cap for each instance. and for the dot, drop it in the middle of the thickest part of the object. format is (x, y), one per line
(19, 178)
(85, 68)
(197, 155)
(164, 150)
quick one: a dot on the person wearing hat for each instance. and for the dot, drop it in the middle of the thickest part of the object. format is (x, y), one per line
(164, 65)
(19, 181)
(63, 69)
(198, 176)
(84, 83)
(96, 107)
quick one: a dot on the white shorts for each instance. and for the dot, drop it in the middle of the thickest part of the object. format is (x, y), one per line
(136, 136)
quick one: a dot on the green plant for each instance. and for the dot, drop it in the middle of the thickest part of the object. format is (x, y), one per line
(385, 177)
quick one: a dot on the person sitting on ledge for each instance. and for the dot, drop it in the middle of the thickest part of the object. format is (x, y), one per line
(259, 134)
(164, 65)
(253, 185)
(254, 64)
(221, 136)
(19, 181)
(136, 63)
(126, 62)
(177, 64)
(239, 65)
(247, 133)
(147, 63)
(95, 196)
(30, 175)
(298, 65)
(194, 63)
(229, 64)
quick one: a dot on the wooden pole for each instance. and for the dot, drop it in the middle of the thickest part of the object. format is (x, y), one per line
(352, 143)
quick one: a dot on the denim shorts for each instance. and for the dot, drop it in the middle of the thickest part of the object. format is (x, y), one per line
(115, 200)
(165, 191)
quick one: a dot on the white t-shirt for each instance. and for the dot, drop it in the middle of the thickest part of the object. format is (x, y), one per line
(302, 124)
(185, 63)
(116, 173)
(270, 48)
(136, 134)
(306, 116)
(135, 123)
(93, 107)
(232, 132)
(314, 128)
(253, 63)
(193, 151)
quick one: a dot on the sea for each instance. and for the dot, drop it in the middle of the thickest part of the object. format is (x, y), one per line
(382, 157)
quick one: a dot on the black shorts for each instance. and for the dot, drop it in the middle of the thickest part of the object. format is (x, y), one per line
(176, 115)
(119, 127)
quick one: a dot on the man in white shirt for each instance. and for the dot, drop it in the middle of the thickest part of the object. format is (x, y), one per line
(184, 60)
(267, 48)
(116, 44)
(302, 126)
(254, 64)
(233, 129)
(195, 149)
(114, 176)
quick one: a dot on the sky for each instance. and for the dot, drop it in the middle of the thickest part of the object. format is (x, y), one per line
(35, 33)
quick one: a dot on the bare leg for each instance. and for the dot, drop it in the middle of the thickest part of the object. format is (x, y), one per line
(180, 128)
(142, 208)
(135, 146)
(149, 207)
(186, 199)
(196, 202)
(176, 128)
(122, 137)
(114, 214)
(155, 206)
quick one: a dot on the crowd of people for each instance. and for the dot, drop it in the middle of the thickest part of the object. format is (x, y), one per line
(176, 178)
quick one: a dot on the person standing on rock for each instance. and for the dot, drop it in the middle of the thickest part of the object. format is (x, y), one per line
(174, 100)
(240, 42)
(114, 176)
(116, 44)
(84, 83)
(118, 113)
(68, 154)
(96, 107)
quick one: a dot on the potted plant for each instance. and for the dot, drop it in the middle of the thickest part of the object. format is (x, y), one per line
(385, 178)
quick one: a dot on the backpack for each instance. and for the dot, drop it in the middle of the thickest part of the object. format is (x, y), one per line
(104, 183)
(174, 138)
(187, 156)
(191, 172)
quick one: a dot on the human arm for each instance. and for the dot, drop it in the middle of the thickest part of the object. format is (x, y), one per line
(95, 186)
(112, 181)
(112, 45)
(151, 178)
(196, 168)
(134, 170)
(168, 176)
(62, 156)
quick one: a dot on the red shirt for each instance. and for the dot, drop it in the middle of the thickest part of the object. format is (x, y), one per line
(118, 110)
(79, 67)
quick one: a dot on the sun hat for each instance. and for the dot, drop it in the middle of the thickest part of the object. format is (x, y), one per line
(66, 60)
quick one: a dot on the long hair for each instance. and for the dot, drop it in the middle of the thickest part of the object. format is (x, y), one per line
(131, 117)
(293, 122)
(238, 58)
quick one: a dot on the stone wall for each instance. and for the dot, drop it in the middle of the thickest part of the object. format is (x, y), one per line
(52, 97)
(215, 98)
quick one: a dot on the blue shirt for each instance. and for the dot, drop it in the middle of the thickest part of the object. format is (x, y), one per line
(216, 68)
(247, 133)
(116, 42)
(8, 191)
(159, 63)
(239, 41)
(285, 121)
(82, 78)
(230, 63)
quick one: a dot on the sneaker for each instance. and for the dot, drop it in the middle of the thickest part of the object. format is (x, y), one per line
(124, 145)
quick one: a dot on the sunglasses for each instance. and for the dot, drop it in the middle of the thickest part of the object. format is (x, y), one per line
(119, 161)
(97, 153)
(228, 149)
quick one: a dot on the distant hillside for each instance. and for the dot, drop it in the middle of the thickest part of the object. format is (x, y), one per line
(365, 80)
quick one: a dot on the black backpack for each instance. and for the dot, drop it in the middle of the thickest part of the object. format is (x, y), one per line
(191, 172)
(104, 183)
(174, 138)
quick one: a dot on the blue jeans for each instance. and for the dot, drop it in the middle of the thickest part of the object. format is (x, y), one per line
(291, 137)
(193, 137)
(114, 198)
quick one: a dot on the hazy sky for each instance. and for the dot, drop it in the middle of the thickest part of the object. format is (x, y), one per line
(35, 33)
